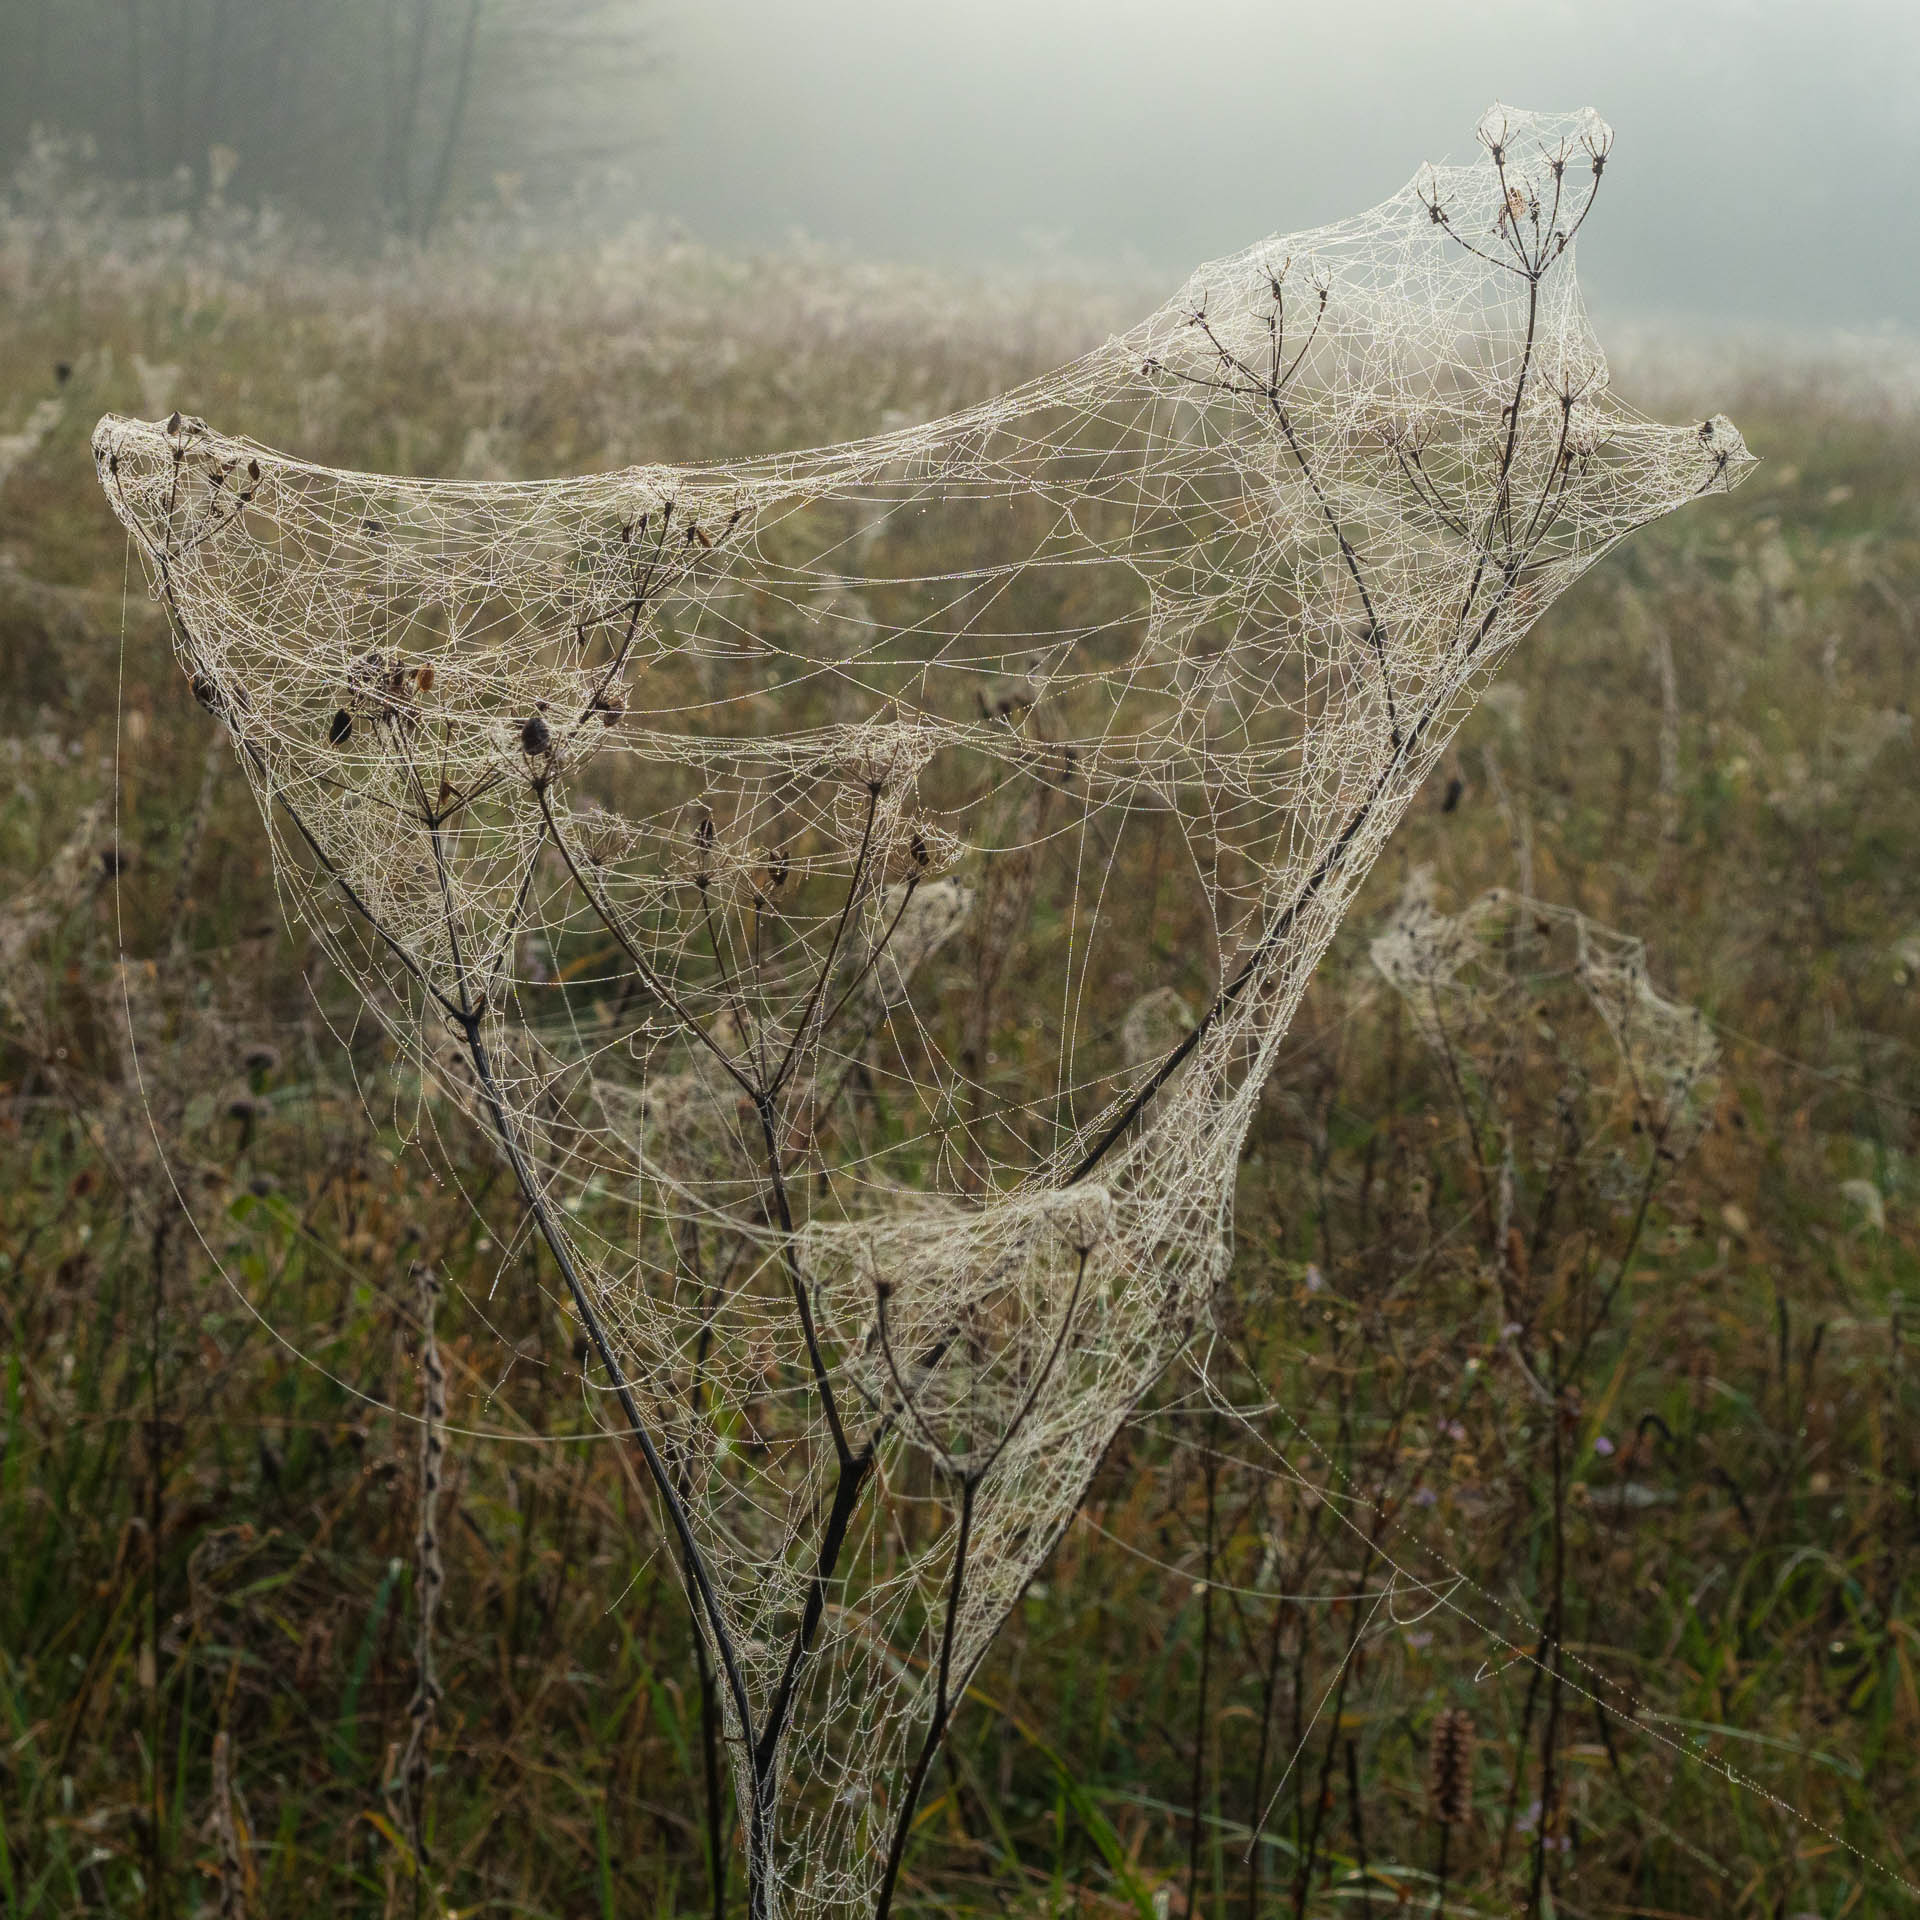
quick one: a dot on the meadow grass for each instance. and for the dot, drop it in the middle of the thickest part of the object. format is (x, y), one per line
(1662, 1529)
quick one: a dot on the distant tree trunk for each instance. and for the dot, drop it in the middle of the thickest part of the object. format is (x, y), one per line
(272, 71)
(364, 113)
(456, 114)
(218, 27)
(137, 94)
(404, 111)
(24, 79)
(178, 144)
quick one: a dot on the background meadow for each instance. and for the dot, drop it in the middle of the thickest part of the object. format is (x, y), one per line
(1512, 1414)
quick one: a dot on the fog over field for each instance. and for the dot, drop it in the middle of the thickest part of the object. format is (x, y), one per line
(1762, 144)
(1762, 180)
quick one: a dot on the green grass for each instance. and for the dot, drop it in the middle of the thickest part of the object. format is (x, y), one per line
(1737, 1576)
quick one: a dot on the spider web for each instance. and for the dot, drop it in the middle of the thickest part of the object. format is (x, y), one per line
(863, 890)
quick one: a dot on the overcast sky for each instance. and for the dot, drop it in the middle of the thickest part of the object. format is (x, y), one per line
(1767, 166)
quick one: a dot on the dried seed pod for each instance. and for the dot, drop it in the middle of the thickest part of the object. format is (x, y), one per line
(1450, 1767)
(367, 677)
(226, 1832)
(535, 737)
(916, 848)
(1083, 1215)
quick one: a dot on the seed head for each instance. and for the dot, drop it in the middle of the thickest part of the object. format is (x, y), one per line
(535, 737)
(1084, 1216)
(1450, 1767)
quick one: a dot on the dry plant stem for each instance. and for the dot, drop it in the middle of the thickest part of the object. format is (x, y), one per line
(429, 1580)
(1550, 1735)
(1303, 1877)
(190, 840)
(1511, 565)
(1382, 1510)
(850, 1466)
(711, 1779)
(1274, 389)
(649, 976)
(226, 1835)
(872, 960)
(1628, 1250)
(1536, 1667)
(710, 1710)
(1471, 1122)
(1294, 1578)
(936, 1728)
(855, 888)
(1275, 934)
(1354, 1814)
(1196, 1785)
(948, 1687)
(855, 1465)
(157, 1902)
(1269, 1689)
(763, 1093)
(466, 1019)
(699, 1581)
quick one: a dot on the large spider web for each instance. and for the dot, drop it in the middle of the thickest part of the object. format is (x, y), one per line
(864, 890)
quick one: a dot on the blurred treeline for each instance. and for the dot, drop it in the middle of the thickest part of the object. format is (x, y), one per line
(370, 115)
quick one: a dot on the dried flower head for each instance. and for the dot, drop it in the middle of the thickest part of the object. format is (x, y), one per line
(1083, 1216)
(916, 848)
(884, 755)
(1450, 1767)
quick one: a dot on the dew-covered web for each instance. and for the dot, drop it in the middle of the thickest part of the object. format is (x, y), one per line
(863, 891)
(1506, 977)
(1454, 974)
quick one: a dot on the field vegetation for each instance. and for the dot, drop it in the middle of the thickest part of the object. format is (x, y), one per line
(1540, 1532)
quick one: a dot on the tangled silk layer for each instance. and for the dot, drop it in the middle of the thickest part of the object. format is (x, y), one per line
(863, 890)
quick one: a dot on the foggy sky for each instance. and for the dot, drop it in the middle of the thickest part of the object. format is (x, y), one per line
(1767, 165)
